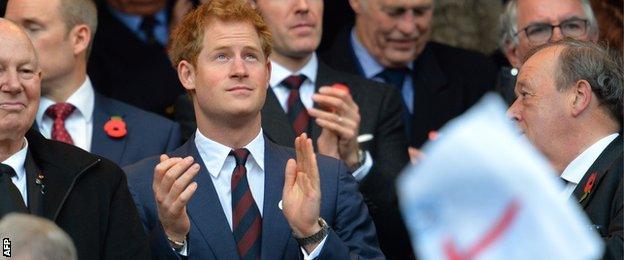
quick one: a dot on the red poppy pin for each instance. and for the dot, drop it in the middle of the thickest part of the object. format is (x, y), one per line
(115, 127)
(589, 185)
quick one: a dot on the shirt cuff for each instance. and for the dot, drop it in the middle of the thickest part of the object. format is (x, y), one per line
(316, 252)
(360, 173)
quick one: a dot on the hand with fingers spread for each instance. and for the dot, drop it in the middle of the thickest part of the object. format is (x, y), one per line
(301, 197)
(341, 117)
(173, 187)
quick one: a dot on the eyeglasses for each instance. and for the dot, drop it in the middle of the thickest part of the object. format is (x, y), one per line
(541, 33)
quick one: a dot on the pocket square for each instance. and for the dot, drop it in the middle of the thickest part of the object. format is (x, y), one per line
(364, 138)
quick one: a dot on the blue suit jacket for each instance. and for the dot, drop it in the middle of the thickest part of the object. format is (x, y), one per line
(352, 232)
(148, 134)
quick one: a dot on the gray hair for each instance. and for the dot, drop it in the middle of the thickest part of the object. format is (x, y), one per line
(33, 237)
(594, 63)
(509, 23)
(77, 12)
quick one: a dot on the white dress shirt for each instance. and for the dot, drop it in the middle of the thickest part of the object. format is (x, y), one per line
(79, 123)
(220, 166)
(17, 162)
(575, 171)
(279, 73)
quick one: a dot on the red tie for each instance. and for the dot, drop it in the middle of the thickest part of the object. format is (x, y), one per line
(59, 112)
(297, 113)
(246, 219)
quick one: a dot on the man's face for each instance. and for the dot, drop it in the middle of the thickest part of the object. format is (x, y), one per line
(19, 82)
(394, 31)
(41, 19)
(138, 7)
(296, 25)
(541, 111)
(553, 12)
(231, 76)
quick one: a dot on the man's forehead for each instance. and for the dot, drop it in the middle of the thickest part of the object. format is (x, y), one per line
(404, 3)
(548, 11)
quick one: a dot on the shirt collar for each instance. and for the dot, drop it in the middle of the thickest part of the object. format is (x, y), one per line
(218, 152)
(279, 72)
(575, 171)
(83, 99)
(133, 21)
(369, 64)
(18, 160)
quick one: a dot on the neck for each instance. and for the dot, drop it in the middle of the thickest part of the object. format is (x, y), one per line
(289, 62)
(10, 147)
(234, 133)
(576, 144)
(60, 89)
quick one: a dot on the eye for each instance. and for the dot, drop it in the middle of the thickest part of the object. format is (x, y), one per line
(251, 57)
(26, 73)
(395, 12)
(221, 57)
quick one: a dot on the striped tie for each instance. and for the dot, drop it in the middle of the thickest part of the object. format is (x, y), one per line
(59, 112)
(297, 113)
(246, 219)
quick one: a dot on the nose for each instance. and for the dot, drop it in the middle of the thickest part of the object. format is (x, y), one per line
(556, 35)
(302, 6)
(10, 82)
(407, 23)
(239, 68)
(513, 111)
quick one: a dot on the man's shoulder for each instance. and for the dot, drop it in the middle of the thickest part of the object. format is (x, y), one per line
(356, 83)
(134, 115)
(55, 157)
(454, 56)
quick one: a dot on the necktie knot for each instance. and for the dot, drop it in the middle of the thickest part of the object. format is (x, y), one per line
(147, 26)
(394, 76)
(294, 82)
(6, 169)
(60, 110)
(240, 155)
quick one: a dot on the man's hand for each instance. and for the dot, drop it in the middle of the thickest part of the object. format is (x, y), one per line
(340, 116)
(173, 187)
(301, 197)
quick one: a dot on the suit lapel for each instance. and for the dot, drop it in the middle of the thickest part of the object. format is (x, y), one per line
(600, 167)
(275, 228)
(205, 210)
(275, 125)
(35, 187)
(101, 143)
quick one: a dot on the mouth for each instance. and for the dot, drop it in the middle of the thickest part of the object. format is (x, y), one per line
(239, 89)
(12, 106)
(303, 27)
(402, 43)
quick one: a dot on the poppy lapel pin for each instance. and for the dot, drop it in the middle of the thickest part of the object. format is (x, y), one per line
(589, 185)
(115, 127)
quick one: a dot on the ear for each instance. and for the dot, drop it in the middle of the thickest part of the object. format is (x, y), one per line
(356, 5)
(511, 52)
(268, 73)
(186, 74)
(80, 37)
(581, 97)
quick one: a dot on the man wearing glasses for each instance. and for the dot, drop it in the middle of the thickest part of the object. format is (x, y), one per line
(530, 23)
(390, 43)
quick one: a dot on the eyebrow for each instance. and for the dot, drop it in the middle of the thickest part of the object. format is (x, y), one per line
(572, 17)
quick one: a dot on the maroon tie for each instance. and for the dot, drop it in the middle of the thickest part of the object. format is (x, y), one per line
(297, 113)
(59, 112)
(246, 219)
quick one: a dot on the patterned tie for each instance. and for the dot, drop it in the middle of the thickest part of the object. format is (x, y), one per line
(246, 219)
(10, 198)
(396, 78)
(297, 113)
(59, 112)
(147, 27)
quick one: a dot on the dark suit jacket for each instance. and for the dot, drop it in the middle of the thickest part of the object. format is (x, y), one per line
(380, 109)
(148, 134)
(352, 232)
(87, 196)
(123, 67)
(447, 81)
(605, 203)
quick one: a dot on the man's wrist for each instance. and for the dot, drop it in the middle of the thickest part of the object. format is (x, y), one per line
(360, 158)
(313, 238)
(177, 244)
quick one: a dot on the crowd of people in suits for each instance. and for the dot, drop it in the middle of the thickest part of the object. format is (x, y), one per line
(242, 136)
